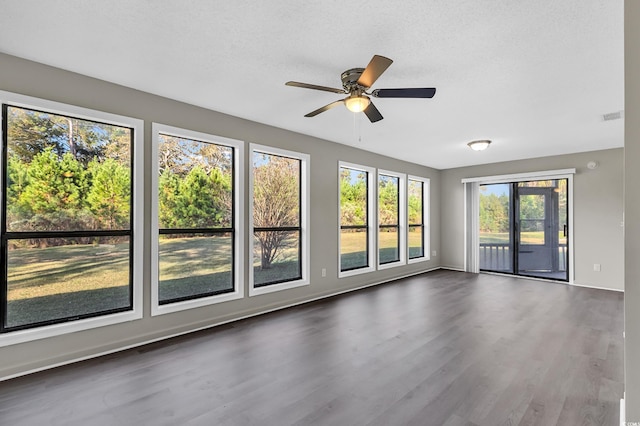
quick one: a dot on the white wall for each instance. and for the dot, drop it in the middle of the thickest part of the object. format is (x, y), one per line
(632, 209)
(598, 234)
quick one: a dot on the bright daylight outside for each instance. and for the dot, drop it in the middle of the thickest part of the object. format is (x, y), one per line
(354, 220)
(67, 218)
(195, 217)
(416, 218)
(354, 249)
(389, 219)
(276, 219)
(524, 228)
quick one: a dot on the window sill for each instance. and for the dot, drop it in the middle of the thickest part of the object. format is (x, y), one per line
(390, 265)
(418, 259)
(184, 305)
(353, 272)
(257, 291)
(22, 336)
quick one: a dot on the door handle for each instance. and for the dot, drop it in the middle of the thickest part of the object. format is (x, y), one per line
(564, 230)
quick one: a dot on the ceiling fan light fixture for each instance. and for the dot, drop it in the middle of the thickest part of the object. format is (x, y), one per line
(357, 103)
(479, 145)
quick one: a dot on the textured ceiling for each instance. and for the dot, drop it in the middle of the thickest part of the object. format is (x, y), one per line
(533, 76)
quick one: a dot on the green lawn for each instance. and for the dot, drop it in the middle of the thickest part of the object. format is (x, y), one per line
(194, 265)
(353, 247)
(46, 284)
(533, 237)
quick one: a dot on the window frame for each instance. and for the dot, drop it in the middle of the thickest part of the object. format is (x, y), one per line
(158, 308)
(136, 226)
(426, 228)
(402, 219)
(371, 220)
(304, 245)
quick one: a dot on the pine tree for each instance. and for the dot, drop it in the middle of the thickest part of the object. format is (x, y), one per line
(110, 194)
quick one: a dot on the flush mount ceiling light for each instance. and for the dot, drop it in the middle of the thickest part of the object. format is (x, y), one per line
(479, 145)
(357, 103)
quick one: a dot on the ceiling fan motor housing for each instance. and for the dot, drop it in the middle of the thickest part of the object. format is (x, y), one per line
(350, 78)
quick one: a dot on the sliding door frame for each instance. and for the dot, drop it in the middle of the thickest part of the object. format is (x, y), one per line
(472, 202)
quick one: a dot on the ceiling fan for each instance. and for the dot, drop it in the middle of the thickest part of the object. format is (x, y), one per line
(356, 82)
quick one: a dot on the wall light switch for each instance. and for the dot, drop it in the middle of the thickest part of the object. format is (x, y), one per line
(324, 272)
(434, 253)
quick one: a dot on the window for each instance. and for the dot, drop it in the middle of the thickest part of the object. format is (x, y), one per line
(197, 247)
(69, 216)
(417, 203)
(356, 249)
(279, 217)
(391, 239)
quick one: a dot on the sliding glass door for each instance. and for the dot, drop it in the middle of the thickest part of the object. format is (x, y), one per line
(496, 225)
(523, 228)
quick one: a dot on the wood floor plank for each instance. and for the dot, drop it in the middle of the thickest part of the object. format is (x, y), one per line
(442, 348)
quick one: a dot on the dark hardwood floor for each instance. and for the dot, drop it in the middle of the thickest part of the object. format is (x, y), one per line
(443, 348)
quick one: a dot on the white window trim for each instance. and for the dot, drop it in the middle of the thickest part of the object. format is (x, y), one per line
(137, 230)
(402, 219)
(371, 215)
(472, 202)
(426, 211)
(238, 255)
(304, 219)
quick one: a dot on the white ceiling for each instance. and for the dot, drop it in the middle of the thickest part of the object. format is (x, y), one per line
(535, 77)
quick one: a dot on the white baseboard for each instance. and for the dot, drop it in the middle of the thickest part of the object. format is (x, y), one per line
(452, 268)
(207, 326)
(575, 284)
(597, 288)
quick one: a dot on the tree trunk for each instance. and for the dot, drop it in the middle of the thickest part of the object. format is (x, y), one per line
(265, 261)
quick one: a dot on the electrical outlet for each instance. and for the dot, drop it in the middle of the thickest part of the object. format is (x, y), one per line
(324, 272)
(596, 267)
(434, 253)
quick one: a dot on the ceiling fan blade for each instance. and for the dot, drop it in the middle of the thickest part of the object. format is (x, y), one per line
(424, 92)
(325, 108)
(372, 113)
(376, 67)
(314, 87)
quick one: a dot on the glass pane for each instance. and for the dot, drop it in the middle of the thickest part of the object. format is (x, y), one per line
(538, 184)
(563, 226)
(353, 197)
(276, 257)
(388, 245)
(532, 219)
(388, 189)
(543, 251)
(353, 249)
(66, 174)
(195, 184)
(416, 248)
(495, 228)
(195, 265)
(415, 202)
(276, 191)
(51, 279)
